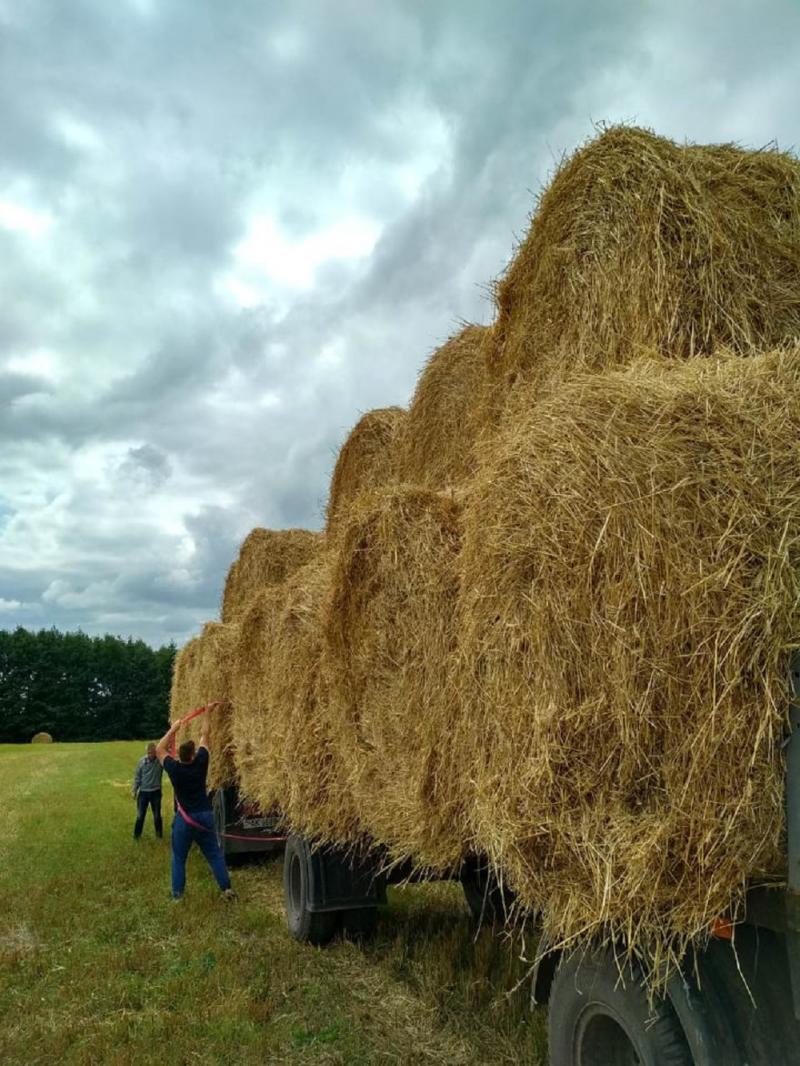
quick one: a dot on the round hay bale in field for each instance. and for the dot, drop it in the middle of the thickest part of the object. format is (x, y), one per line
(390, 638)
(631, 589)
(641, 245)
(435, 444)
(283, 742)
(267, 557)
(366, 460)
(41, 738)
(201, 675)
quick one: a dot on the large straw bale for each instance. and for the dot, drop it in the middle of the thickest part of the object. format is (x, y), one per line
(267, 557)
(389, 642)
(631, 584)
(203, 674)
(282, 736)
(254, 720)
(366, 461)
(640, 245)
(435, 444)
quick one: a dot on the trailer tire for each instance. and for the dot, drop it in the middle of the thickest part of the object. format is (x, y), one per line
(359, 924)
(488, 901)
(309, 927)
(597, 1020)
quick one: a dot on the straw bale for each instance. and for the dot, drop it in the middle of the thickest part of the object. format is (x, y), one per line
(389, 643)
(267, 557)
(631, 587)
(202, 674)
(41, 738)
(642, 245)
(282, 727)
(435, 445)
(366, 461)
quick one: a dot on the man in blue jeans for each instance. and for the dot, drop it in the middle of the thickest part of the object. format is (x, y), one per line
(147, 791)
(194, 821)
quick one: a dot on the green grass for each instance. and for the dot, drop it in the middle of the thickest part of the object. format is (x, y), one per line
(97, 965)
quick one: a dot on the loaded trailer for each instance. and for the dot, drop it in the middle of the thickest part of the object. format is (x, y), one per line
(734, 1002)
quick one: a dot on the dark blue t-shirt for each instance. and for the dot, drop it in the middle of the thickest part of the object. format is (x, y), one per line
(189, 781)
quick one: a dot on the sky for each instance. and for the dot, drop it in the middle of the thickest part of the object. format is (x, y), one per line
(229, 229)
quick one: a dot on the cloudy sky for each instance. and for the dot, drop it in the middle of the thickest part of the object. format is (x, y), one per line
(229, 228)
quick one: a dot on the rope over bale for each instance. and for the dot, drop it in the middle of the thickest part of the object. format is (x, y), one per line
(266, 558)
(631, 588)
(435, 445)
(640, 245)
(202, 674)
(366, 461)
(390, 638)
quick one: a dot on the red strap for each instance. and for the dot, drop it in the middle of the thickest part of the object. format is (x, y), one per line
(228, 836)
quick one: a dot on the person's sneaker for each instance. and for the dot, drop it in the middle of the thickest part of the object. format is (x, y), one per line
(229, 895)
(177, 899)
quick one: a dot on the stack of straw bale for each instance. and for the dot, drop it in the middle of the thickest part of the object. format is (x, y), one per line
(630, 587)
(437, 440)
(202, 674)
(366, 461)
(390, 638)
(578, 668)
(639, 245)
(267, 557)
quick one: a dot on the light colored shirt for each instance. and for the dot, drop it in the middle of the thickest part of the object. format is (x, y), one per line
(148, 775)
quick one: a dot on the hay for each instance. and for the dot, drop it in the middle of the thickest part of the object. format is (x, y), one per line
(366, 461)
(640, 245)
(435, 444)
(390, 637)
(202, 673)
(253, 721)
(41, 738)
(267, 557)
(631, 587)
(284, 751)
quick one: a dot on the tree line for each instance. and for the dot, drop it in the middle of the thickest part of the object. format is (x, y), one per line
(77, 687)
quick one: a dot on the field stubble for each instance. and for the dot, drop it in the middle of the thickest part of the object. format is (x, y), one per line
(98, 966)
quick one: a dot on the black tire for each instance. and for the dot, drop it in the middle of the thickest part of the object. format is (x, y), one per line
(598, 1018)
(488, 901)
(309, 927)
(359, 924)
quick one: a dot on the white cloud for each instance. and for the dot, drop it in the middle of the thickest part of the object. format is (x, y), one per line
(21, 219)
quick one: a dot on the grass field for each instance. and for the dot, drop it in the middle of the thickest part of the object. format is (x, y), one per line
(97, 965)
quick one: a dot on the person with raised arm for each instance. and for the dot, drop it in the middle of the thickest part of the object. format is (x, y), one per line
(194, 821)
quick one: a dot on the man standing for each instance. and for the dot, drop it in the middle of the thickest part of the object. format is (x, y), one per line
(194, 821)
(147, 791)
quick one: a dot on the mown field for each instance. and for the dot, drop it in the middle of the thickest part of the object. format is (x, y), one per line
(97, 965)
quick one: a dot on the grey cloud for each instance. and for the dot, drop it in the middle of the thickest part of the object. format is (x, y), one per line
(151, 140)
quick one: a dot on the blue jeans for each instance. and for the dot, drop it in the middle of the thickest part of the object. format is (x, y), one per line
(183, 836)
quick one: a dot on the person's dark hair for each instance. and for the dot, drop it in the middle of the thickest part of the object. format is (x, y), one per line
(186, 751)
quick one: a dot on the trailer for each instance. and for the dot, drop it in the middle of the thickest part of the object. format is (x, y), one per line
(242, 828)
(734, 1002)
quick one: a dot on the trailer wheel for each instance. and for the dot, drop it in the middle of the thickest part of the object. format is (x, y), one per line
(488, 901)
(359, 924)
(309, 927)
(598, 1018)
